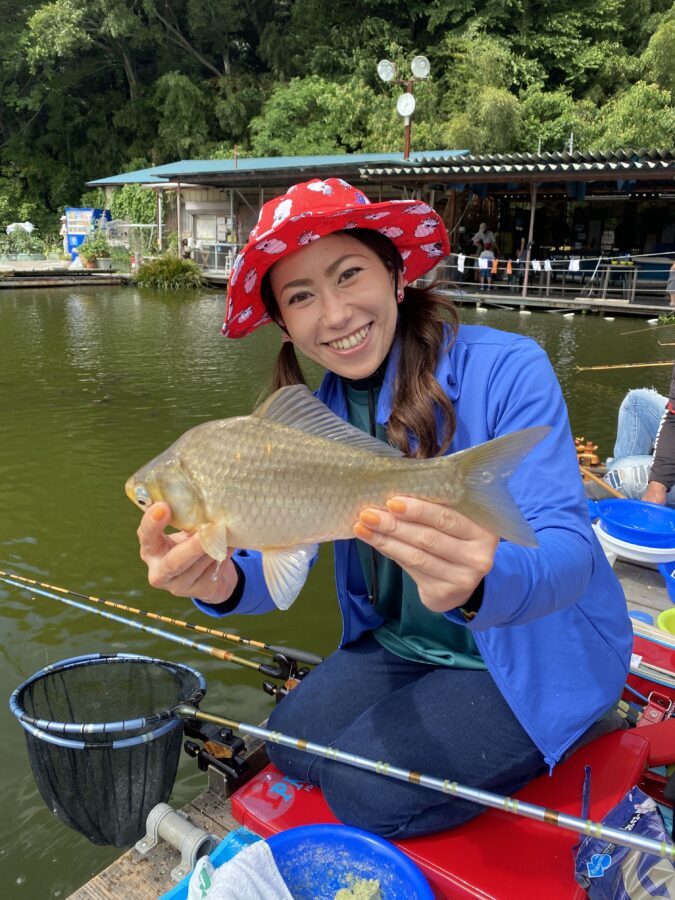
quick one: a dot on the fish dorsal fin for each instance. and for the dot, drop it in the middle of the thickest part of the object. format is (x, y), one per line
(296, 407)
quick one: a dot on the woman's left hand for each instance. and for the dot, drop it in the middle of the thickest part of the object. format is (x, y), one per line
(446, 554)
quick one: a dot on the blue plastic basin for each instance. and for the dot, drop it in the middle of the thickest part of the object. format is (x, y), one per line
(636, 522)
(316, 861)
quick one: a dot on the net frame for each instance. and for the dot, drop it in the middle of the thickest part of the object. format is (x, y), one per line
(103, 778)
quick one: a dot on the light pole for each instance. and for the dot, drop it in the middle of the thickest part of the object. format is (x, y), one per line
(405, 105)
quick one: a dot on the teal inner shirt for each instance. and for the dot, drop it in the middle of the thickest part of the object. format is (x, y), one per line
(410, 630)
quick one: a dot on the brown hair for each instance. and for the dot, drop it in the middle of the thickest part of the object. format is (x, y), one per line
(417, 394)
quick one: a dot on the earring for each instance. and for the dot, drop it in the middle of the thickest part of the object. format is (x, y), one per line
(399, 295)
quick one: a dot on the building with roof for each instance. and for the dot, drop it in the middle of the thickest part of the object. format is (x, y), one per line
(567, 205)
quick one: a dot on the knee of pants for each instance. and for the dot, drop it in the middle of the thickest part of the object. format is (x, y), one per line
(389, 808)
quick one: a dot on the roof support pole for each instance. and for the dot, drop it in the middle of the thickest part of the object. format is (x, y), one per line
(530, 234)
(160, 230)
(179, 218)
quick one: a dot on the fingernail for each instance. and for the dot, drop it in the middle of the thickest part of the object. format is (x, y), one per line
(157, 513)
(369, 517)
(396, 506)
(361, 531)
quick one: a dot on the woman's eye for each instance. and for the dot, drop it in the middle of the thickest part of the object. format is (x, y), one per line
(298, 298)
(349, 273)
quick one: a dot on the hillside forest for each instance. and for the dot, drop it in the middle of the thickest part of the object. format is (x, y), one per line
(91, 88)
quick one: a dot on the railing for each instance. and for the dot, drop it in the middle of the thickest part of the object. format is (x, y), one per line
(627, 281)
(216, 256)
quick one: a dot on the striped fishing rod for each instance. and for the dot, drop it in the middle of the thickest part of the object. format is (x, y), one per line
(301, 656)
(553, 817)
(274, 670)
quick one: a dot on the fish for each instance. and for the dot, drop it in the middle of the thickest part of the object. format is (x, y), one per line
(292, 475)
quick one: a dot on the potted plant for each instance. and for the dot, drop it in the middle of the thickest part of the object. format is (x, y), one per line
(96, 251)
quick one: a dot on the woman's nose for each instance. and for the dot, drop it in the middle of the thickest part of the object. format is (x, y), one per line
(336, 310)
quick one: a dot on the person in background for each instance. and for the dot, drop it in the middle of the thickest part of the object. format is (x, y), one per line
(64, 235)
(643, 465)
(486, 246)
(670, 286)
(461, 655)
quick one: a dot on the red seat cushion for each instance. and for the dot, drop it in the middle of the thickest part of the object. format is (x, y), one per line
(497, 855)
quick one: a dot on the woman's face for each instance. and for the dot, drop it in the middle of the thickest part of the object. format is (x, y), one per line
(336, 300)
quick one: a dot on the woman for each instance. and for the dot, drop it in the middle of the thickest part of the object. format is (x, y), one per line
(461, 656)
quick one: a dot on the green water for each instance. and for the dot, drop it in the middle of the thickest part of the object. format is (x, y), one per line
(92, 384)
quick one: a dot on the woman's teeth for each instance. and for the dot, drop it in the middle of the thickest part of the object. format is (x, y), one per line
(352, 341)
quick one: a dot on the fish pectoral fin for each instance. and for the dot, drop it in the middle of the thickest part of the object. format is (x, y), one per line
(213, 536)
(296, 407)
(285, 571)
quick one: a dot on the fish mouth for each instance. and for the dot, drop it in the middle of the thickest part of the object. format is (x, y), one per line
(350, 341)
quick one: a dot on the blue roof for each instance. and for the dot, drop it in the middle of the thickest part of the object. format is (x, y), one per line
(187, 167)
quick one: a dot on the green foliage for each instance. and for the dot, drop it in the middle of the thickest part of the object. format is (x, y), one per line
(170, 273)
(95, 246)
(643, 116)
(90, 88)
(94, 199)
(134, 203)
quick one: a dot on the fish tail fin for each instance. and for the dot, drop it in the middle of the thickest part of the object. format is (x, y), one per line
(486, 499)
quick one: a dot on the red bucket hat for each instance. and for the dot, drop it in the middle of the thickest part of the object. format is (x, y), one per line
(311, 210)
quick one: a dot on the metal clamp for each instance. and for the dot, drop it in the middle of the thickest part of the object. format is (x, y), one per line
(178, 831)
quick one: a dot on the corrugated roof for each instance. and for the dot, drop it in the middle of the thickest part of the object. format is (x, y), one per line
(533, 166)
(200, 169)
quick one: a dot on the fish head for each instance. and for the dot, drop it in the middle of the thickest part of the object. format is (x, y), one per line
(165, 479)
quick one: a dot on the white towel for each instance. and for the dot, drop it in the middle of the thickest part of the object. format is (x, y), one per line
(251, 875)
(536, 265)
(460, 262)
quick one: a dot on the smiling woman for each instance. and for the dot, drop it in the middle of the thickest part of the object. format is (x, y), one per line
(482, 647)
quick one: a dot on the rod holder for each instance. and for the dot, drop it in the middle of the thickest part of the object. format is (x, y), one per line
(174, 827)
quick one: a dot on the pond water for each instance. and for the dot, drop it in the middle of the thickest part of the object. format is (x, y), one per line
(92, 384)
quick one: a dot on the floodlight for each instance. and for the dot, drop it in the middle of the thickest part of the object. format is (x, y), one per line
(420, 67)
(386, 70)
(405, 105)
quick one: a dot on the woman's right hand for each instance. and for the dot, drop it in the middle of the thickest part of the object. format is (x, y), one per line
(177, 562)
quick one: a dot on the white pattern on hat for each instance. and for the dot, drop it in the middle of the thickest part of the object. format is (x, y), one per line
(250, 280)
(307, 237)
(321, 187)
(282, 211)
(391, 232)
(246, 314)
(236, 268)
(426, 227)
(420, 209)
(432, 249)
(272, 245)
(377, 215)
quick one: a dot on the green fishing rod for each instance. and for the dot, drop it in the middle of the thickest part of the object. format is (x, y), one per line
(277, 669)
(301, 656)
(512, 805)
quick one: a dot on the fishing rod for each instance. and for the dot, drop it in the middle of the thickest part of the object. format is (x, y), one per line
(645, 365)
(299, 655)
(278, 670)
(484, 798)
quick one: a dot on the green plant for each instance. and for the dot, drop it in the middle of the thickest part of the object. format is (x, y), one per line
(95, 246)
(170, 273)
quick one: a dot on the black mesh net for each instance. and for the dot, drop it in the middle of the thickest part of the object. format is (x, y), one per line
(104, 783)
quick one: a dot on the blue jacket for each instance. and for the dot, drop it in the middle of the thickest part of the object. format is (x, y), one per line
(553, 627)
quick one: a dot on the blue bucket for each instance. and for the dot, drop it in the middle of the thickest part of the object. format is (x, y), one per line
(316, 861)
(636, 522)
(668, 572)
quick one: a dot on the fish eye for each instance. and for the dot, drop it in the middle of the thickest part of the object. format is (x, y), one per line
(143, 498)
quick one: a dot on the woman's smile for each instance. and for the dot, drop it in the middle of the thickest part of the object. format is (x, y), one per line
(351, 341)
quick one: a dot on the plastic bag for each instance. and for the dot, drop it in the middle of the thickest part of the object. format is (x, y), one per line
(608, 871)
